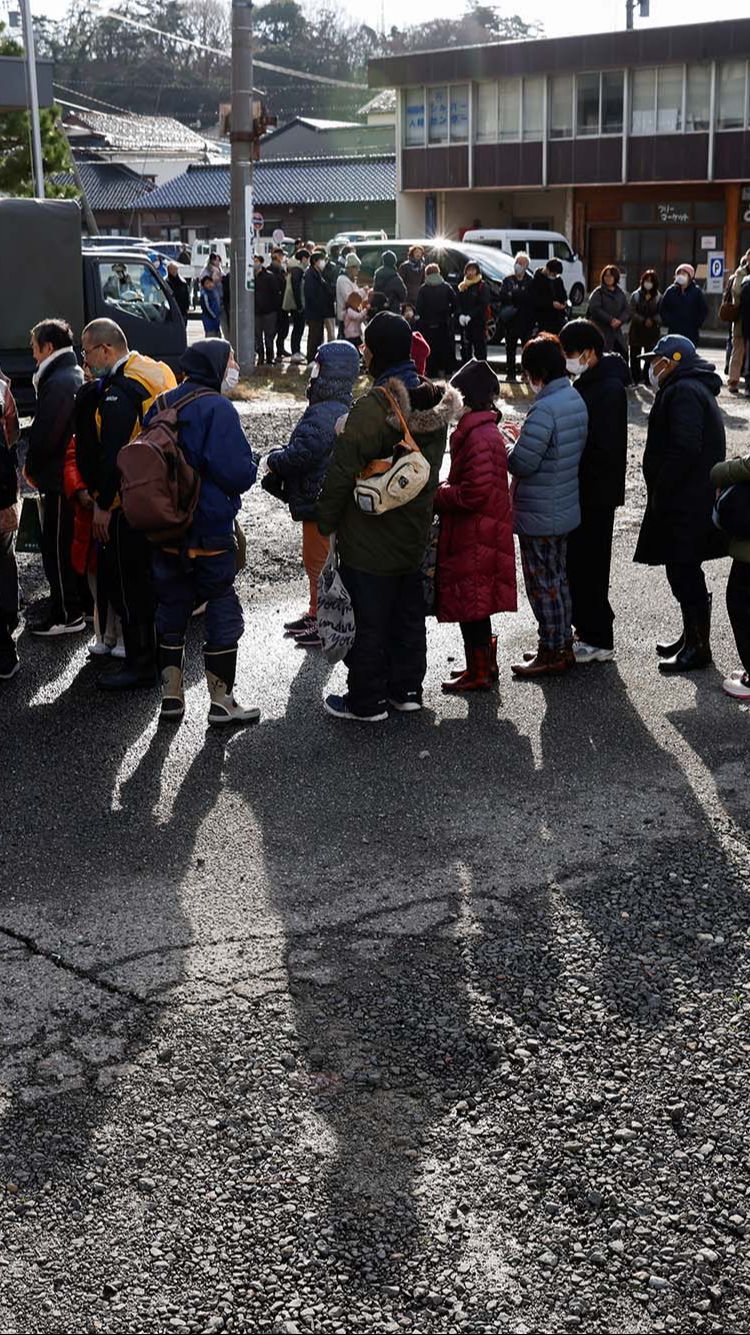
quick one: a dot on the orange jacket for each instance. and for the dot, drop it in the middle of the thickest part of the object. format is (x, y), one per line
(82, 550)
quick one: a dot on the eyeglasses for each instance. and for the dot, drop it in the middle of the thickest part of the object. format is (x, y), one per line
(86, 352)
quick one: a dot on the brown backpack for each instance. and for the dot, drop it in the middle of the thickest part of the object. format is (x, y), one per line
(159, 489)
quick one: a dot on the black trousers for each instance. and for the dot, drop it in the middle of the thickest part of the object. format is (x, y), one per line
(265, 333)
(315, 331)
(738, 607)
(687, 582)
(589, 562)
(514, 336)
(476, 634)
(8, 590)
(282, 329)
(389, 655)
(474, 340)
(298, 329)
(126, 574)
(57, 538)
(442, 341)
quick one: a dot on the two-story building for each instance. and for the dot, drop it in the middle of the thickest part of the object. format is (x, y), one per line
(634, 144)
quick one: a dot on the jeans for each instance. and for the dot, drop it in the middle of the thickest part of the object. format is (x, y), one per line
(476, 634)
(738, 607)
(57, 538)
(545, 574)
(687, 582)
(589, 561)
(389, 654)
(184, 583)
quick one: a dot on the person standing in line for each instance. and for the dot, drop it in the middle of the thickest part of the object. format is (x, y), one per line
(645, 330)
(476, 562)
(609, 309)
(473, 300)
(267, 303)
(57, 380)
(437, 309)
(731, 473)
(9, 601)
(294, 301)
(388, 280)
(347, 283)
(412, 273)
(179, 289)
(210, 304)
(549, 298)
(319, 302)
(684, 308)
(516, 299)
(331, 271)
(601, 379)
(685, 439)
(277, 269)
(544, 460)
(739, 346)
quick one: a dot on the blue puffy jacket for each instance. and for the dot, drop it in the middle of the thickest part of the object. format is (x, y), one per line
(214, 443)
(303, 462)
(545, 460)
(683, 312)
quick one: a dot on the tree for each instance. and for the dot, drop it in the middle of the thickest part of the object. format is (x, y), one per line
(16, 173)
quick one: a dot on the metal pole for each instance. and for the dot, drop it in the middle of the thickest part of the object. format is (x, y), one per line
(629, 10)
(243, 295)
(36, 134)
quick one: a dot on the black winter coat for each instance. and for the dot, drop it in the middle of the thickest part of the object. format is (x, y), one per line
(437, 306)
(685, 439)
(319, 299)
(181, 293)
(392, 285)
(601, 472)
(412, 273)
(52, 426)
(474, 300)
(684, 312)
(266, 293)
(518, 292)
(544, 292)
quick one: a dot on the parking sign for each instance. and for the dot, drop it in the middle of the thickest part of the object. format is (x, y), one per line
(715, 271)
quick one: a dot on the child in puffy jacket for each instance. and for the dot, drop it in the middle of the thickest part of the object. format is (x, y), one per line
(301, 466)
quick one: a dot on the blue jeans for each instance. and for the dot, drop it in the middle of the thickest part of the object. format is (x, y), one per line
(182, 583)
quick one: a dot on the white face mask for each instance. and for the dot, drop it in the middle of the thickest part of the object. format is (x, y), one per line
(534, 387)
(320, 264)
(520, 270)
(682, 279)
(648, 287)
(653, 378)
(574, 365)
(231, 379)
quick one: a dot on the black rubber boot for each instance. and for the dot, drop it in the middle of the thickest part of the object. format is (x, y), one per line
(670, 650)
(139, 669)
(221, 666)
(696, 649)
(171, 658)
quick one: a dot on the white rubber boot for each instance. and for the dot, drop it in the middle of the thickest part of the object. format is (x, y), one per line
(221, 665)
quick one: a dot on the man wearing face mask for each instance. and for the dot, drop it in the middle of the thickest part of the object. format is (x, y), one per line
(203, 570)
(601, 378)
(683, 307)
(517, 310)
(319, 302)
(685, 440)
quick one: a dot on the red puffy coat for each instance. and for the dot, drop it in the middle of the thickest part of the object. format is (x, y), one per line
(476, 564)
(82, 550)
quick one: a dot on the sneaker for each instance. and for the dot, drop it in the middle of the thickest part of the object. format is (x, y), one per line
(589, 653)
(410, 705)
(278, 361)
(119, 650)
(303, 626)
(337, 705)
(737, 685)
(9, 664)
(51, 627)
(310, 640)
(99, 649)
(297, 359)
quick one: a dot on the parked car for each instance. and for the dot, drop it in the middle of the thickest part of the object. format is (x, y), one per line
(102, 241)
(357, 238)
(540, 247)
(263, 245)
(452, 256)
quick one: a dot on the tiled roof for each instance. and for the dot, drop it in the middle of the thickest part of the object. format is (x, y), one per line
(108, 186)
(365, 179)
(131, 134)
(382, 102)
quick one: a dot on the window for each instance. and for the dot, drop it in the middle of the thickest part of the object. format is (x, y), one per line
(414, 117)
(438, 115)
(533, 108)
(459, 113)
(537, 250)
(669, 99)
(643, 116)
(612, 101)
(561, 251)
(134, 289)
(587, 113)
(508, 105)
(487, 113)
(697, 97)
(561, 106)
(731, 96)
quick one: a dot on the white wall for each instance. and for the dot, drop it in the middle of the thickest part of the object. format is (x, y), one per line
(409, 214)
(496, 209)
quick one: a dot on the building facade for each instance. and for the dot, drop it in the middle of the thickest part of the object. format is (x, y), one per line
(634, 144)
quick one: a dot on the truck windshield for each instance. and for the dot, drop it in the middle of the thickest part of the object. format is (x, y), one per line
(134, 288)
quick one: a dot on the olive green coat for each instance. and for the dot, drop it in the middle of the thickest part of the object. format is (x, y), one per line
(724, 475)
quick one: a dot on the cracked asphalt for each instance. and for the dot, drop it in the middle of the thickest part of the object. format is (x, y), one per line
(436, 1027)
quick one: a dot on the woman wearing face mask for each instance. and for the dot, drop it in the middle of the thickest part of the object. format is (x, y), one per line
(320, 304)
(517, 310)
(473, 300)
(643, 335)
(609, 309)
(203, 570)
(683, 307)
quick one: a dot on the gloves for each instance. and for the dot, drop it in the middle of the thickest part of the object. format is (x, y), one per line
(463, 320)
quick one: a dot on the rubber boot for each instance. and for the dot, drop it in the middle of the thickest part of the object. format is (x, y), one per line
(696, 650)
(477, 676)
(670, 650)
(494, 669)
(547, 662)
(221, 666)
(171, 660)
(139, 668)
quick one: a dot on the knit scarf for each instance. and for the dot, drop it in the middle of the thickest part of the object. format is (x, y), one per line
(469, 282)
(432, 279)
(404, 371)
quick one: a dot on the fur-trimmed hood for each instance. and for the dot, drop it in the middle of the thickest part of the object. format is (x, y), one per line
(430, 406)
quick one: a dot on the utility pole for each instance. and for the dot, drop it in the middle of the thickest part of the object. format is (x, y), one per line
(241, 211)
(36, 133)
(630, 8)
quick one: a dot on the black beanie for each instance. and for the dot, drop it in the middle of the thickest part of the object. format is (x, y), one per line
(477, 383)
(388, 336)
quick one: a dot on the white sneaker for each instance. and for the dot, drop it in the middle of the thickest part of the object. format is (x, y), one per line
(98, 649)
(118, 650)
(589, 653)
(737, 684)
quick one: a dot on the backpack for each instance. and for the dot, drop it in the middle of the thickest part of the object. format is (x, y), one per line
(389, 483)
(159, 489)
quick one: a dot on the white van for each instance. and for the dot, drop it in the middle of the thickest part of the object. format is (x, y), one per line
(540, 247)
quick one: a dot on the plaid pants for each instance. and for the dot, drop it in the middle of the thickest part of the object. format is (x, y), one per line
(546, 578)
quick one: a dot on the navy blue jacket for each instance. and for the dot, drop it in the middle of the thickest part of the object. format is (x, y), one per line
(684, 312)
(214, 443)
(304, 461)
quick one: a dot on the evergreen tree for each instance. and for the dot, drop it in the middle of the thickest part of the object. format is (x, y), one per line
(16, 173)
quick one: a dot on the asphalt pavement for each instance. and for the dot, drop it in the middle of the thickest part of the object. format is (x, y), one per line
(437, 1026)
